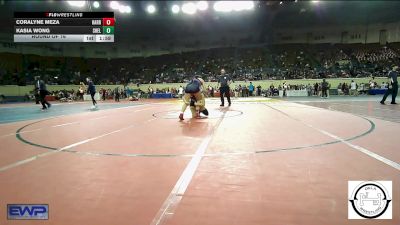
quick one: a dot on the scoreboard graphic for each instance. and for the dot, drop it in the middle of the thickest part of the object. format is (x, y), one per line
(64, 26)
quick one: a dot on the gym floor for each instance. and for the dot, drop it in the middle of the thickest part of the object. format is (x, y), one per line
(260, 161)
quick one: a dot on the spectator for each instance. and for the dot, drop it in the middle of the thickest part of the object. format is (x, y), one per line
(353, 88)
(251, 89)
(324, 88)
(180, 92)
(259, 90)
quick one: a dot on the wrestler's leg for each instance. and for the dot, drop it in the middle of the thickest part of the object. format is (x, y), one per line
(186, 102)
(203, 110)
(200, 103)
(200, 99)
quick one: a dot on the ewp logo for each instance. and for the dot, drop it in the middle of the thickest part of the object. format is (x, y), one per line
(28, 212)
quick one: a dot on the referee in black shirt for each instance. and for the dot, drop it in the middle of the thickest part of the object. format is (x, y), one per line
(42, 91)
(224, 81)
(393, 86)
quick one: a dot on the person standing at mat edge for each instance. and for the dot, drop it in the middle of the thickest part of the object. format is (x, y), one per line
(224, 81)
(324, 88)
(92, 91)
(42, 91)
(393, 86)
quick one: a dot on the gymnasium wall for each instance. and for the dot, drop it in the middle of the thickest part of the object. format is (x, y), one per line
(349, 34)
(344, 34)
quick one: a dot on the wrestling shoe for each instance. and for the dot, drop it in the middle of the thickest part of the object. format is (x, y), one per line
(181, 116)
(205, 112)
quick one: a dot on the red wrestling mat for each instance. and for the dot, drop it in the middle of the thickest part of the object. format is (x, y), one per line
(265, 163)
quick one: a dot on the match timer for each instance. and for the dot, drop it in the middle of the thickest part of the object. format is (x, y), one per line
(64, 26)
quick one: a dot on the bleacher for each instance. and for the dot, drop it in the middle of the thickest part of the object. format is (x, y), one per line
(290, 61)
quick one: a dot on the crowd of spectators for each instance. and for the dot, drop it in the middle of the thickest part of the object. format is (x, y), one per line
(294, 61)
(78, 95)
(247, 89)
(375, 54)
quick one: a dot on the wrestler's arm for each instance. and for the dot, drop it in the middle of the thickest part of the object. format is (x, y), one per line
(201, 102)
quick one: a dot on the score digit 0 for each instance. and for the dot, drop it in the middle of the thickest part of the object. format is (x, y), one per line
(108, 30)
(108, 21)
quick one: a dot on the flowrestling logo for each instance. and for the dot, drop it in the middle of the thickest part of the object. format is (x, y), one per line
(370, 200)
(27, 211)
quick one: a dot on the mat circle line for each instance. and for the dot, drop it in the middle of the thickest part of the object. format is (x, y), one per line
(20, 138)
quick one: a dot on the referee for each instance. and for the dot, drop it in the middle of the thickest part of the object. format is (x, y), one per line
(92, 91)
(42, 91)
(224, 81)
(394, 84)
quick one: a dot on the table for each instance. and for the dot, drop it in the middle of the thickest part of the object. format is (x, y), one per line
(293, 93)
(50, 98)
(161, 95)
(377, 91)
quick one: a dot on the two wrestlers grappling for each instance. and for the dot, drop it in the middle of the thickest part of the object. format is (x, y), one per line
(194, 98)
